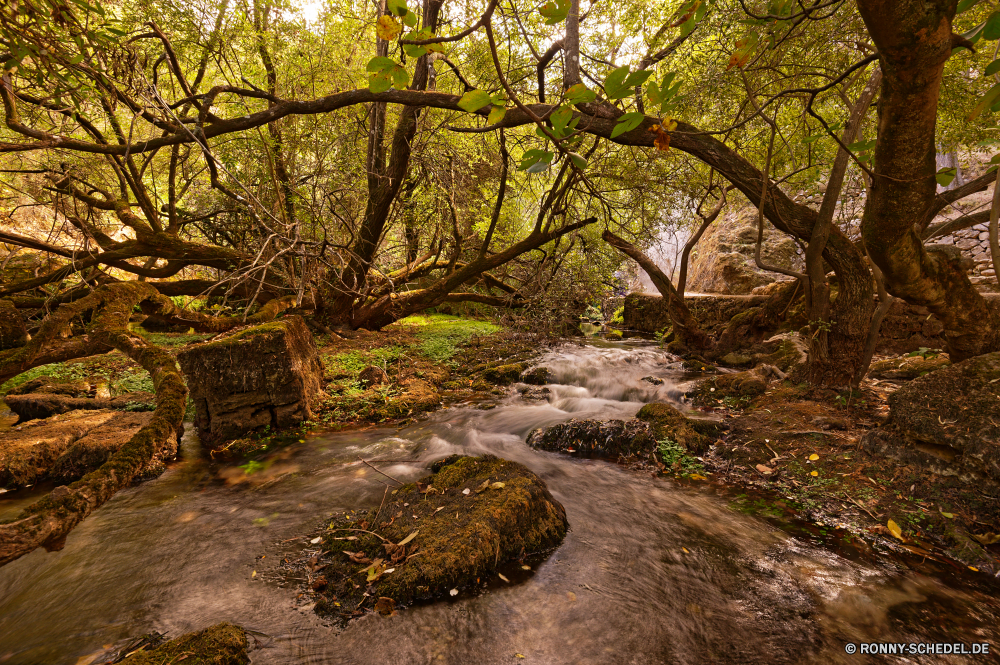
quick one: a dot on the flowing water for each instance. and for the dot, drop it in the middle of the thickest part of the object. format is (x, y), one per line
(650, 572)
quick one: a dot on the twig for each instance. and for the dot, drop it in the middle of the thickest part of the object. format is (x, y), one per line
(384, 494)
(383, 473)
(368, 532)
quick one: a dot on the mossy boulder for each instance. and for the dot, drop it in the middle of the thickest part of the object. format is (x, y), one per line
(471, 517)
(65, 447)
(907, 367)
(372, 376)
(947, 421)
(222, 644)
(536, 376)
(12, 331)
(666, 422)
(267, 375)
(607, 439)
(742, 386)
(504, 374)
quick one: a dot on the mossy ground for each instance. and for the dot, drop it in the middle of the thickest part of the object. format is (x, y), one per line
(433, 537)
(429, 360)
(798, 449)
(222, 644)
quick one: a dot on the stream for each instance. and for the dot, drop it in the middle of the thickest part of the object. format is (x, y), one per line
(652, 570)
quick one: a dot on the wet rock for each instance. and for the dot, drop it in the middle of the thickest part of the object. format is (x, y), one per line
(667, 422)
(65, 447)
(907, 367)
(535, 393)
(222, 644)
(504, 374)
(12, 331)
(609, 439)
(947, 421)
(44, 404)
(438, 535)
(268, 375)
(537, 376)
(372, 376)
(653, 380)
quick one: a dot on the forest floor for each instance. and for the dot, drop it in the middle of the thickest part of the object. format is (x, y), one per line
(797, 451)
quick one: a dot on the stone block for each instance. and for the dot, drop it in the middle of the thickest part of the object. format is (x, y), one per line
(268, 375)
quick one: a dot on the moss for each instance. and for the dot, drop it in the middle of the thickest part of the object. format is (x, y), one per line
(467, 519)
(222, 644)
(504, 374)
(669, 423)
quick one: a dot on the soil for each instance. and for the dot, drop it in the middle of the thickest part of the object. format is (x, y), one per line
(799, 449)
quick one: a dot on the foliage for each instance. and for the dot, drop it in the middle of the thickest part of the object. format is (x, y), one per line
(441, 335)
(676, 457)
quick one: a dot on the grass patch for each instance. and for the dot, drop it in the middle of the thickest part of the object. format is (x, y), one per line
(440, 335)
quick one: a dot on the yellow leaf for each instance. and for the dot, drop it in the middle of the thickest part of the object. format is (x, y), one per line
(974, 568)
(894, 529)
(697, 476)
(253, 574)
(517, 655)
(813, 457)
(408, 538)
(387, 28)
(497, 485)
(670, 125)
(814, 473)
(987, 538)
(950, 516)
(685, 550)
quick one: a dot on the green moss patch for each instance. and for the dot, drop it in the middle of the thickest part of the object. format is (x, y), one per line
(432, 538)
(222, 644)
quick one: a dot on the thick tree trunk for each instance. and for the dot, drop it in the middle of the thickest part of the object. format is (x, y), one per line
(914, 39)
(686, 327)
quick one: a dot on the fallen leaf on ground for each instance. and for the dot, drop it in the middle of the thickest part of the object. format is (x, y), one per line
(987, 538)
(316, 540)
(894, 529)
(409, 537)
(813, 457)
(497, 485)
(453, 592)
(501, 576)
(766, 470)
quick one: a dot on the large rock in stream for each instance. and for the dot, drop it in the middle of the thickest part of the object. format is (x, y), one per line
(65, 447)
(268, 375)
(473, 516)
(625, 439)
(947, 421)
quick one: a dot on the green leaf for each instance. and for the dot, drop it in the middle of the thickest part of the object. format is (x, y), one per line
(946, 175)
(992, 68)
(987, 100)
(965, 5)
(400, 77)
(474, 100)
(579, 161)
(396, 7)
(535, 161)
(561, 118)
(620, 83)
(555, 11)
(380, 81)
(991, 32)
(379, 63)
(862, 146)
(414, 51)
(409, 19)
(627, 123)
(973, 35)
(496, 115)
(580, 94)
